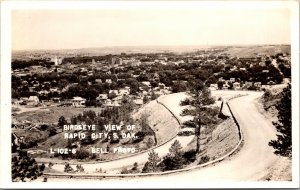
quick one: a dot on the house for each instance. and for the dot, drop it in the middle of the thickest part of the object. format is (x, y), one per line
(102, 97)
(53, 89)
(115, 103)
(108, 102)
(232, 80)
(146, 83)
(213, 86)
(15, 102)
(248, 84)
(242, 69)
(98, 80)
(78, 102)
(262, 64)
(34, 99)
(138, 101)
(265, 71)
(115, 92)
(161, 85)
(43, 92)
(124, 92)
(155, 77)
(109, 81)
(225, 86)
(257, 84)
(236, 85)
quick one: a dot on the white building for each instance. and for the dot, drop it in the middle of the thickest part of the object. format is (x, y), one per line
(78, 101)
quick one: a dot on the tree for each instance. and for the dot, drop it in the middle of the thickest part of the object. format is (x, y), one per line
(174, 159)
(146, 99)
(152, 164)
(175, 148)
(24, 167)
(220, 84)
(68, 168)
(62, 121)
(203, 117)
(283, 144)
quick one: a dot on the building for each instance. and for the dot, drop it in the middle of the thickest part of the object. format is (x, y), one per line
(109, 81)
(113, 92)
(124, 92)
(248, 84)
(98, 80)
(33, 99)
(102, 97)
(57, 61)
(138, 101)
(257, 84)
(236, 85)
(146, 83)
(213, 86)
(78, 101)
(114, 61)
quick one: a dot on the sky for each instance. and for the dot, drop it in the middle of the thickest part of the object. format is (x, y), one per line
(83, 28)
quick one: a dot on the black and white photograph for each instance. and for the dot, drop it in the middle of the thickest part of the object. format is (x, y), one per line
(150, 94)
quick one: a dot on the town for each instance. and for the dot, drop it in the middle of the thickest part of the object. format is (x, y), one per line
(50, 93)
(102, 81)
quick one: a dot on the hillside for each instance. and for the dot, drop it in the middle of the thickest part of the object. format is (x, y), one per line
(249, 51)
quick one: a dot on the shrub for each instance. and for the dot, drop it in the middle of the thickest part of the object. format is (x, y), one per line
(50, 165)
(185, 102)
(172, 162)
(185, 133)
(204, 159)
(82, 154)
(125, 171)
(135, 165)
(190, 156)
(189, 124)
(68, 168)
(79, 168)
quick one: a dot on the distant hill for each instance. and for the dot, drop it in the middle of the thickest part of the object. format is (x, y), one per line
(240, 51)
(249, 51)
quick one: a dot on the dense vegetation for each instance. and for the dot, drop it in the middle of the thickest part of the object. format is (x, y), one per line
(25, 168)
(283, 143)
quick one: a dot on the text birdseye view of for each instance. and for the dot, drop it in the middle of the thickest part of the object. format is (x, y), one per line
(150, 93)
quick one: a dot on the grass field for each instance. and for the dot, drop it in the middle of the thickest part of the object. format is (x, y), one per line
(248, 51)
(52, 114)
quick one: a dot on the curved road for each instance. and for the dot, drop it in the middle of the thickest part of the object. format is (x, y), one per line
(251, 163)
(172, 101)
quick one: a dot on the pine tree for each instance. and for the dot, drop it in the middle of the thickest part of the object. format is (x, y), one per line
(152, 164)
(202, 99)
(175, 148)
(283, 144)
(62, 121)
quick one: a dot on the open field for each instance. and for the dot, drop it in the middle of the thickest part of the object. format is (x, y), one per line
(52, 114)
(249, 51)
